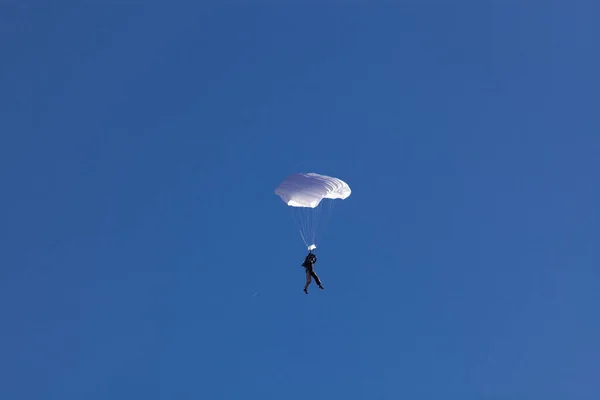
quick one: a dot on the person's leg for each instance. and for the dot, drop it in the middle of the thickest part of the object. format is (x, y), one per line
(308, 273)
(314, 275)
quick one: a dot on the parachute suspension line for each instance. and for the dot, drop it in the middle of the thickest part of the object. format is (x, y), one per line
(318, 221)
(313, 218)
(299, 215)
(324, 216)
(311, 222)
(311, 215)
(303, 218)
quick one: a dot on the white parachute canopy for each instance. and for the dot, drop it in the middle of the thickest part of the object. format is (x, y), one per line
(311, 197)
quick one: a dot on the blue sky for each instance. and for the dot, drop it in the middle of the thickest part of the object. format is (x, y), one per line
(140, 147)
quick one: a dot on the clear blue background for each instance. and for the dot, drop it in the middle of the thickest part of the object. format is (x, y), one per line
(145, 255)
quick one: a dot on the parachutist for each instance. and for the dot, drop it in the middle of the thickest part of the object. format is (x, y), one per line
(309, 265)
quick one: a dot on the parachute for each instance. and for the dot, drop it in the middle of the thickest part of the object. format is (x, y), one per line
(311, 197)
